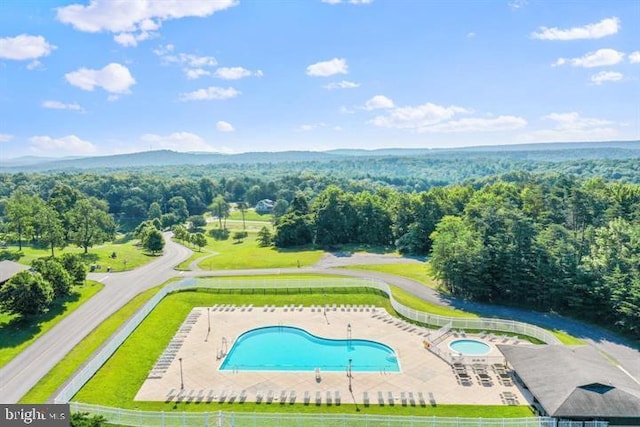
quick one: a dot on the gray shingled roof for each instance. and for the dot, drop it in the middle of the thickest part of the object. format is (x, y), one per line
(8, 269)
(574, 381)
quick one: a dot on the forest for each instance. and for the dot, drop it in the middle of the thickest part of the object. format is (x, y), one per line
(546, 240)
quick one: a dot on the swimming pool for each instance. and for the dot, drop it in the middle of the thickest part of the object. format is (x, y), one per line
(470, 347)
(286, 348)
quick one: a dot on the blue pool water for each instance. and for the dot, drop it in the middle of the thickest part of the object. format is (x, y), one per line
(470, 347)
(285, 348)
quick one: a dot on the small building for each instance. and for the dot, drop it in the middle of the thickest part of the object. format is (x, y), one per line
(575, 383)
(8, 269)
(265, 206)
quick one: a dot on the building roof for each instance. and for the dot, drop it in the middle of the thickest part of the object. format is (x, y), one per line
(574, 381)
(8, 269)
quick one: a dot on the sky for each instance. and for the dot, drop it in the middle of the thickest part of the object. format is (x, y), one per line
(100, 77)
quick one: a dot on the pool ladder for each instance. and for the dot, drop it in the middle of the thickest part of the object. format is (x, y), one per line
(222, 351)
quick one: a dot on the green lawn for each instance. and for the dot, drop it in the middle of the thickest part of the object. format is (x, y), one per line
(16, 333)
(128, 255)
(57, 376)
(120, 378)
(567, 339)
(250, 215)
(409, 300)
(421, 272)
(232, 255)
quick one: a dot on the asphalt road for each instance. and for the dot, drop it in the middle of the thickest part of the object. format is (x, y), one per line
(17, 377)
(24, 371)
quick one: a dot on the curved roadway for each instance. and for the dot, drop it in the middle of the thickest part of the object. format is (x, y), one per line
(18, 376)
(24, 371)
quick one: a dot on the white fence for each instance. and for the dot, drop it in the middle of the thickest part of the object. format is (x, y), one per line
(131, 418)
(485, 324)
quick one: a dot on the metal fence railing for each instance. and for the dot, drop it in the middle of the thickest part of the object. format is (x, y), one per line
(126, 417)
(486, 324)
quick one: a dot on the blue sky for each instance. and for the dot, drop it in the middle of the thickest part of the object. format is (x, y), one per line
(82, 77)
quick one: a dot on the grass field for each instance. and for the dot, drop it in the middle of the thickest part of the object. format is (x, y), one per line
(232, 255)
(409, 300)
(120, 378)
(128, 255)
(421, 272)
(16, 334)
(250, 215)
(57, 376)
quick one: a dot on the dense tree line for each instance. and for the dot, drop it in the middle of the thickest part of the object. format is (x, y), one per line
(65, 217)
(550, 243)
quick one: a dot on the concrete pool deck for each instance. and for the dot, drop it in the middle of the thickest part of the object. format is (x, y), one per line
(424, 378)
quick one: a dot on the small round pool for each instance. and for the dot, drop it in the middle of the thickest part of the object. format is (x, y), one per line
(470, 347)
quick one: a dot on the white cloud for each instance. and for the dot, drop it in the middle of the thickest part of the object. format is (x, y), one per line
(606, 76)
(476, 124)
(178, 141)
(133, 21)
(573, 127)
(114, 78)
(344, 84)
(431, 117)
(34, 65)
(599, 58)
(5, 137)
(57, 105)
(235, 73)
(378, 102)
(517, 4)
(196, 73)
(418, 117)
(314, 126)
(212, 92)
(328, 68)
(193, 66)
(471, 35)
(223, 126)
(573, 121)
(24, 47)
(604, 28)
(132, 39)
(634, 57)
(69, 144)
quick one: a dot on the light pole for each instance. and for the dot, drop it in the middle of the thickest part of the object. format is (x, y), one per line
(349, 374)
(181, 377)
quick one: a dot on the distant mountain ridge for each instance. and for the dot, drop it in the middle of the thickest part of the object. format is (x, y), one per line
(534, 152)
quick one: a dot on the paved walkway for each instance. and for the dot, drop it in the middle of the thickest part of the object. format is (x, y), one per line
(419, 377)
(623, 351)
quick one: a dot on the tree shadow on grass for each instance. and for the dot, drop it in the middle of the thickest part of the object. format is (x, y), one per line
(10, 255)
(124, 238)
(89, 257)
(18, 330)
